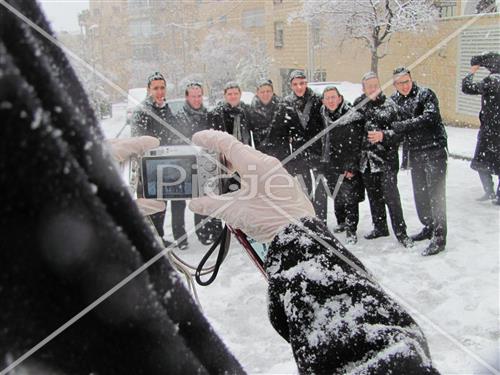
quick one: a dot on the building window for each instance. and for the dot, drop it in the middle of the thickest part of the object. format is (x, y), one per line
(141, 28)
(316, 33)
(144, 52)
(279, 40)
(277, 2)
(253, 18)
(223, 20)
(473, 41)
(447, 8)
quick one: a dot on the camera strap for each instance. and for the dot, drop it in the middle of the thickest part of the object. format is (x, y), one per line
(222, 242)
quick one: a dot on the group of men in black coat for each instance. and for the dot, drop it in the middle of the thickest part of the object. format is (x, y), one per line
(358, 151)
(249, 124)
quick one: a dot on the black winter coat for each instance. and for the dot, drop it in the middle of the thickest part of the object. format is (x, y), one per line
(223, 116)
(261, 118)
(143, 123)
(71, 232)
(487, 154)
(190, 121)
(288, 134)
(341, 146)
(379, 114)
(342, 322)
(420, 123)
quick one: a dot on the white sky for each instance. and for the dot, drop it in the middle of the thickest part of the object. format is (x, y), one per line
(63, 14)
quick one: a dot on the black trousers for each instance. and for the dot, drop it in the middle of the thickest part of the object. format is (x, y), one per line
(382, 190)
(319, 200)
(487, 182)
(177, 215)
(346, 202)
(178, 225)
(428, 173)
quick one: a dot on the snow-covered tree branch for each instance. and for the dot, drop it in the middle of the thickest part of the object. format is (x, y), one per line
(233, 55)
(372, 21)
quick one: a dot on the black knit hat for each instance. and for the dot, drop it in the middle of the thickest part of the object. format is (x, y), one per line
(368, 75)
(296, 74)
(264, 82)
(156, 76)
(232, 85)
(400, 71)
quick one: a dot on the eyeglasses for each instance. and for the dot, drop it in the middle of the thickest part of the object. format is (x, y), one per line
(402, 83)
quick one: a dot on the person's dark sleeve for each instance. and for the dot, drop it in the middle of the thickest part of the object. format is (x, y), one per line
(183, 125)
(430, 115)
(355, 138)
(391, 138)
(318, 126)
(470, 87)
(277, 141)
(72, 232)
(335, 316)
(140, 122)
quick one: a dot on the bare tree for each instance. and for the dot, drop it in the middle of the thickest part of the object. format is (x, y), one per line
(372, 21)
(233, 55)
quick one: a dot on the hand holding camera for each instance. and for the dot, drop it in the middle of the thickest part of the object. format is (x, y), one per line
(269, 197)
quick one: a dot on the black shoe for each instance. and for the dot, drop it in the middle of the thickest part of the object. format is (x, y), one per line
(424, 234)
(436, 246)
(351, 238)
(339, 228)
(496, 201)
(183, 246)
(207, 240)
(405, 241)
(376, 233)
(486, 197)
(166, 243)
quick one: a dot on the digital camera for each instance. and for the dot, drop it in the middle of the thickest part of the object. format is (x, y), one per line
(179, 172)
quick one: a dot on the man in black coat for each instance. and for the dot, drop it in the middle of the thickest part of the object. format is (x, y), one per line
(425, 138)
(72, 232)
(153, 117)
(263, 108)
(192, 118)
(298, 120)
(379, 161)
(232, 115)
(487, 155)
(340, 157)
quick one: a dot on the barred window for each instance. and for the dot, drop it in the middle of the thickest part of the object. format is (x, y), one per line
(279, 41)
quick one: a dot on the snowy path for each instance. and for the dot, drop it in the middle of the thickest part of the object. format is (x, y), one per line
(457, 290)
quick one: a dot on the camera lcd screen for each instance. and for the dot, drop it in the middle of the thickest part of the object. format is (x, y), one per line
(169, 177)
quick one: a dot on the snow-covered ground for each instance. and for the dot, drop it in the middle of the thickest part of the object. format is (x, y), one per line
(461, 141)
(453, 295)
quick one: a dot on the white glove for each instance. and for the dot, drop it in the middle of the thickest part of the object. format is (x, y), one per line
(269, 198)
(124, 148)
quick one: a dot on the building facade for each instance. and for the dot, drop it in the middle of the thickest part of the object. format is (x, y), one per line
(134, 37)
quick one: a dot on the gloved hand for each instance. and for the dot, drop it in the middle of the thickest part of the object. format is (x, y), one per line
(122, 149)
(269, 198)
